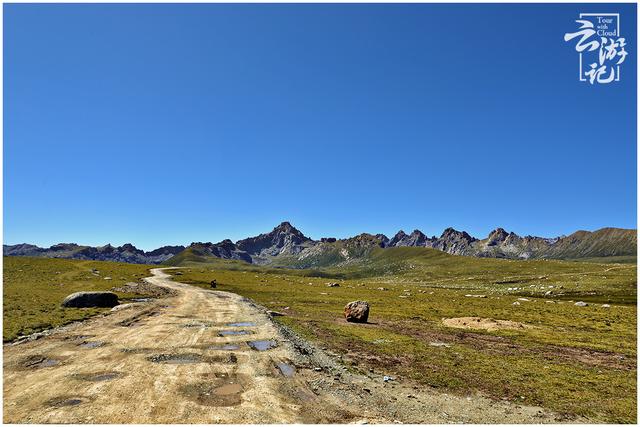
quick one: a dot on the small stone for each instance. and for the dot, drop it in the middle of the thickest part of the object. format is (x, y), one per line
(581, 304)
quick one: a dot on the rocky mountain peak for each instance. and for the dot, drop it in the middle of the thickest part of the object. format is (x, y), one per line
(286, 228)
(497, 236)
(284, 239)
(416, 238)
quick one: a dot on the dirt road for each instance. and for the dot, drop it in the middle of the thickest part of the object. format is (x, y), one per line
(203, 356)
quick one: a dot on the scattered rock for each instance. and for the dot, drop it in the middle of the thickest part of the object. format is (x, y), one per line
(606, 305)
(382, 289)
(333, 285)
(581, 304)
(123, 306)
(274, 313)
(357, 311)
(107, 278)
(91, 299)
(516, 303)
(522, 299)
(387, 378)
(475, 296)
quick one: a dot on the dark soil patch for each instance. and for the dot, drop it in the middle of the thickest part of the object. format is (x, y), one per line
(186, 358)
(62, 401)
(141, 350)
(98, 376)
(177, 359)
(229, 332)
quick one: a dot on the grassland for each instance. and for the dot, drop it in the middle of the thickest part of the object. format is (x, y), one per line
(33, 289)
(573, 360)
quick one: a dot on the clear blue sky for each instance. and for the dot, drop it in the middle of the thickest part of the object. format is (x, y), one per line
(166, 124)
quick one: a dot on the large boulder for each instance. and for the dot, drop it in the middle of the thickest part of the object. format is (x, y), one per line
(91, 299)
(357, 311)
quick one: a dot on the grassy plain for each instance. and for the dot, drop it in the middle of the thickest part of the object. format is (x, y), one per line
(33, 289)
(573, 360)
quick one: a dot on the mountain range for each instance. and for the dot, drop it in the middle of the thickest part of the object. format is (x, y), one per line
(287, 246)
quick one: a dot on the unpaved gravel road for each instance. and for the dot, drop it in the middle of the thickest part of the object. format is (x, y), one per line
(181, 359)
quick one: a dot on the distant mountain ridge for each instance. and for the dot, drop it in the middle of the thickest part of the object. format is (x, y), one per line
(287, 246)
(125, 253)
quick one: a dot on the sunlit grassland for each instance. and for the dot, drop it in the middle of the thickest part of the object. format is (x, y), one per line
(573, 360)
(33, 289)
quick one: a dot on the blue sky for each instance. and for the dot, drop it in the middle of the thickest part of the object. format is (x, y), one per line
(167, 124)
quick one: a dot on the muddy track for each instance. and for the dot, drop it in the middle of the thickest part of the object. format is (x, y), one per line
(201, 356)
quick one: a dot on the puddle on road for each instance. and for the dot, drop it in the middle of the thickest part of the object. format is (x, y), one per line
(91, 344)
(262, 345)
(286, 369)
(63, 401)
(225, 347)
(97, 376)
(38, 361)
(241, 324)
(176, 359)
(224, 390)
(197, 324)
(227, 333)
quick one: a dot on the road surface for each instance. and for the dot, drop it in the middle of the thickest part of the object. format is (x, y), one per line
(204, 356)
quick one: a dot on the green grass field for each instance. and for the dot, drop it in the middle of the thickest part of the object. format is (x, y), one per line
(573, 360)
(33, 289)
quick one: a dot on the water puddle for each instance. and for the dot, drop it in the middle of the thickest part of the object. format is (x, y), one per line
(141, 299)
(197, 325)
(225, 347)
(262, 345)
(241, 324)
(175, 359)
(227, 333)
(224, 390)
(286, 369)
(91, 344)
(38, 361)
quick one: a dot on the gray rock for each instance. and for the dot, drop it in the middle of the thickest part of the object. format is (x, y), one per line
(357, 311)
(581, 304)
(91, 299)
(274, 313)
